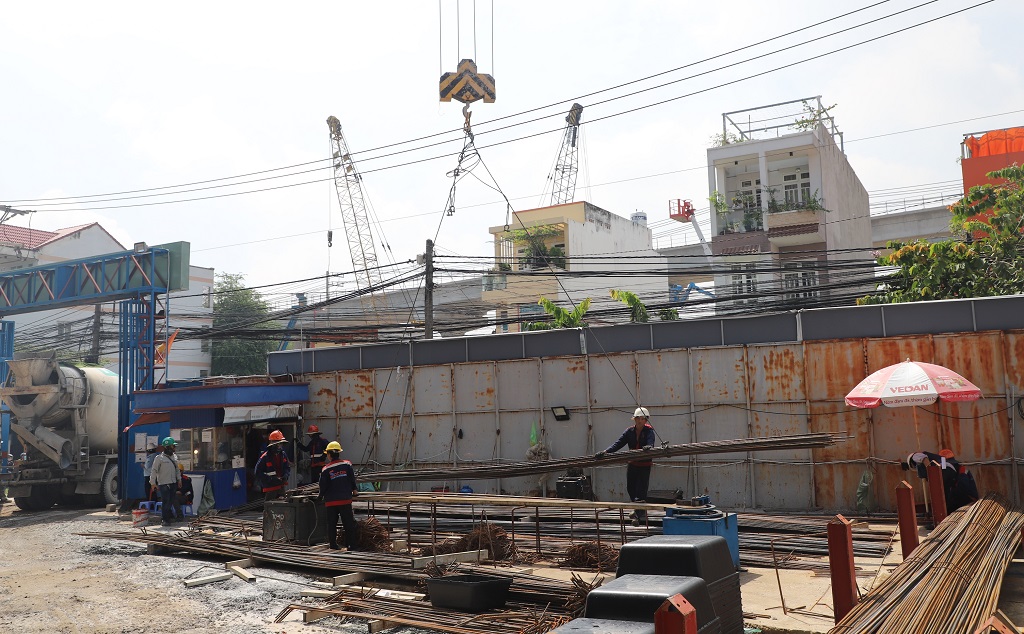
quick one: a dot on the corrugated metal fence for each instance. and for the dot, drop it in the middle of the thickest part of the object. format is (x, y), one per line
(456, 413)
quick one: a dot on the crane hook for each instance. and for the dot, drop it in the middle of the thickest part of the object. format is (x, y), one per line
(467, 114)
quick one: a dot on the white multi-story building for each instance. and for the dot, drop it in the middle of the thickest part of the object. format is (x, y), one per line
(573, 238)
(90, 332)
(785, 204)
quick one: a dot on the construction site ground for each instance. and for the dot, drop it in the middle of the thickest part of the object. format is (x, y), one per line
(54, 580)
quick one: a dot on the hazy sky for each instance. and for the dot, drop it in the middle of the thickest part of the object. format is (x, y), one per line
(113, 97)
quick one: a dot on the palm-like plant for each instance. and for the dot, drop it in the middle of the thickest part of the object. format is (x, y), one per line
(560, 317)
(637, 310)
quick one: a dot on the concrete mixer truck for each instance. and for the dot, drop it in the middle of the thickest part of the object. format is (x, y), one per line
(65, 420)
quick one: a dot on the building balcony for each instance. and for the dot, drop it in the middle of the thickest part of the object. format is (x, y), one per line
(796, 225)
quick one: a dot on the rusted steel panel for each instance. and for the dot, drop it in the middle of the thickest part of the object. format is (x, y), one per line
(478, 437)
(565, 381)
(886, 352)
(434, 438)
(840, 419)
(515, 434)
(432, 389)
(993, 479)
(722, 423)
(394, 441)
(612, 381)
(474, 387)
(896, 435)
(835, 486)
(833, 368)
(664, 378)
(727, 484)
(519, 385)
(718, 375)
(1013, 346)
(392, 387)
(977, 431)
(976, 357)
(354, 436)
(775, 419)
(323, 398)
(671, 424)
(355, 393)
(776, 372)
(782, 487)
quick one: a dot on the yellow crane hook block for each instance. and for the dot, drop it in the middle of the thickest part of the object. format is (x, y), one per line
(466, 85)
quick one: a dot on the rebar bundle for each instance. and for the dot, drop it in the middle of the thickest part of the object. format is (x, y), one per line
(591, 555)
(951, 582)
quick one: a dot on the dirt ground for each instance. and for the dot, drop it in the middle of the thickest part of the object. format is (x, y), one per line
(53, 580)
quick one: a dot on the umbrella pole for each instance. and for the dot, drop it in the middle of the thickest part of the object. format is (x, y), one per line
(924, 483)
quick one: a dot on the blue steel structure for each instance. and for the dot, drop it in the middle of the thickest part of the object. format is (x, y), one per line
(6, 352)
(138, 278)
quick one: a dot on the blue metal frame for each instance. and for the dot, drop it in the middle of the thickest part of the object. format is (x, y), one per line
(6, 352)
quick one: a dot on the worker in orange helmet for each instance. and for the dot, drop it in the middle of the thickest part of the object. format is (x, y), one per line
(958, 483)
(273, 467)
(316, 449)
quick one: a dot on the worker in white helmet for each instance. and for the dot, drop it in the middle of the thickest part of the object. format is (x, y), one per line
(640, 435)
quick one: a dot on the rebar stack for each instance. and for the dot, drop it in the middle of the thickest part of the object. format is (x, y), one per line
(951, 582)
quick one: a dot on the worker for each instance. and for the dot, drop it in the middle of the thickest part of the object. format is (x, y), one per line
(315, 449)
(147, 469)
(638, 472)
(273, 467)
(167, 479)
(337, 488)
(185, 493)
(958, 486)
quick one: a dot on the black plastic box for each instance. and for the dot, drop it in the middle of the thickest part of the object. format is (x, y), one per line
(294, 520)
(604, 626)
(638, 597)
(469, 593)
(574, 488)
(704, 556)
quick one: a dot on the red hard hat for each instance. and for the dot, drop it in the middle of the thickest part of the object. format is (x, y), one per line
(276, 436)
(313, 429)
(946, 453)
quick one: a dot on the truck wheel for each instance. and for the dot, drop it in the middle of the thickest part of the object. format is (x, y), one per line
(40, 499)
(24, 504)
(110, 484)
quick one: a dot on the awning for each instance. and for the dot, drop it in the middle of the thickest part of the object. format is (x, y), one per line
(150, 418)
(260, 413)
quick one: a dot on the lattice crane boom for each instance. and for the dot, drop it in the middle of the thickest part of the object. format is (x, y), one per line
(348, 183)
(563, 177)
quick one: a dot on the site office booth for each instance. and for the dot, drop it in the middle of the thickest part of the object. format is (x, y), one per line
(222, 429)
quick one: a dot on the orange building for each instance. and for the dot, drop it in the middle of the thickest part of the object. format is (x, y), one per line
(984, 152)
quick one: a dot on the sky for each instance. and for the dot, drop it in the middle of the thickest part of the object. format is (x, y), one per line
(103, 98)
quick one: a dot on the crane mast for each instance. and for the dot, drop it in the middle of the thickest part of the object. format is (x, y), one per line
(348, 183)
(563, 177)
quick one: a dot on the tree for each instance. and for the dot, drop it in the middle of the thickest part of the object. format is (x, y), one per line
(238, 307)
(986, 261)
(560, 317)
(637, 310)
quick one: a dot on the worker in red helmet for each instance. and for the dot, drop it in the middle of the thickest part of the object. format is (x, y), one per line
(316, 448)
(273, 467)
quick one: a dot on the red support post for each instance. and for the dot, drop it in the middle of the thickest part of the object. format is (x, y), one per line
(840, 561)
(936, 492)
(675, 616)
(907, 514)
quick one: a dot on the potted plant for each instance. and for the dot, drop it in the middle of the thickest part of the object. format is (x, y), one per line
(752, 219)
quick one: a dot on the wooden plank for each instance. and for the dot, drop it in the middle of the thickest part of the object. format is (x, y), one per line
(242, 573)
(379, 626)
(400, 544)
(314, 615)
(352, 577)
(503, 500)
(469, 555)
(240, 563)
(313, 593)
(202, 581)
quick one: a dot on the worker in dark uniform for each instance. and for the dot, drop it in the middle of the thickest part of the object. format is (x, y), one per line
(273, 467)
(337, 488)
(958, 486)
(184, 495)
(638, 472)
(315, 448)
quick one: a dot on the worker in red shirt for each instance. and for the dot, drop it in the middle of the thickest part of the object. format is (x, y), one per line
(273, 467)
(337, 488)
(315, 448)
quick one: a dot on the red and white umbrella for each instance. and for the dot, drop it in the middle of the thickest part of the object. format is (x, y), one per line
(912, 383)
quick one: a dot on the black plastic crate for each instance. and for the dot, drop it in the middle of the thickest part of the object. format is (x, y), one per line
(574, 488)
(604, 626)
(469, 593)
(638, 597)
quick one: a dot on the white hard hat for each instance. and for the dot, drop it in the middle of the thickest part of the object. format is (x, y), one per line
(150, 446)
(641, 412)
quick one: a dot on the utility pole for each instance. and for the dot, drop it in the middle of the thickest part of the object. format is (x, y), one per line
(94, 353)
(428, 292)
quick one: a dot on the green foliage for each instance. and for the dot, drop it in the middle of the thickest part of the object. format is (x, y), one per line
(725, 138)
(637, 310)
(990, 264)
(239, 307)
(560, 317)
(668, 314)
(537, 254)
(812, 117)
(718, 203)
(521, 236)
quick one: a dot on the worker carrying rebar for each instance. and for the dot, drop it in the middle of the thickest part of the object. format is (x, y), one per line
(273, 467)
(638, 472)
(337, 488)
(958, 484)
